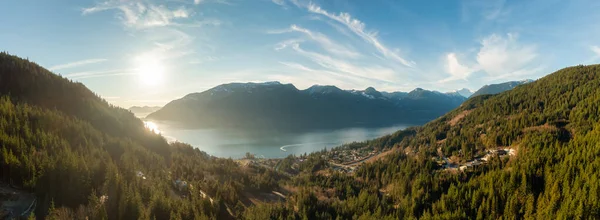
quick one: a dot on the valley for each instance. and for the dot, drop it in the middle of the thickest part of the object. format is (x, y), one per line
(299, 110)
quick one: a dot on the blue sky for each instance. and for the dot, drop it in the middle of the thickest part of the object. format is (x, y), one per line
(148, 52)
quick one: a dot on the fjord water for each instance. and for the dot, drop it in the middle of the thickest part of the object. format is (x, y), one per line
(269, 144)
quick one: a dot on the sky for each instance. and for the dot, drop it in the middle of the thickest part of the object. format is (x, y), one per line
(149, 52)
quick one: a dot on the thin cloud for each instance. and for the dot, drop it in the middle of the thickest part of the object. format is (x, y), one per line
(76, 64)
(96, 74)
(358, 28)
(279, 2)
(305, 77)
(376, 73)
(325, 42)
(284, 44)
(140, 15)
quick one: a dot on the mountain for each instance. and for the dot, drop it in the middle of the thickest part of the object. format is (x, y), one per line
(498, 88)
(527, 153)
(143, 111)
(69, 154)
(463, 92)
(429, 104)
(273, 105)
(394, 95)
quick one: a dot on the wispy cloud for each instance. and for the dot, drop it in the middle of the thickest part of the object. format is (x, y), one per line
(227, 2)
(488, 10)
(279, 2)
(335, 60)
(103, 73)
(287, 43)
(324, 41)
(165, 27)
(304, 77)
(374, 73)
(358, 28)
(76, 64)
(141, 15)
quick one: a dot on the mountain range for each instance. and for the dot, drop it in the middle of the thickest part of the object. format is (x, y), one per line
(273, 105)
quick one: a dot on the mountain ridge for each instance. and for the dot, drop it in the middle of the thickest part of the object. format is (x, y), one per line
(499, 87)
(275, 105)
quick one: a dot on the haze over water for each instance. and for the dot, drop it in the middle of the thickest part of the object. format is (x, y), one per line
(269, 144)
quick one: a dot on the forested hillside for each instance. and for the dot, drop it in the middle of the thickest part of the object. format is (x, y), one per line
(82, 157)
(552, 124)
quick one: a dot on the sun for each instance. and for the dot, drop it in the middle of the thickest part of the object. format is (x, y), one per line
(150, 69)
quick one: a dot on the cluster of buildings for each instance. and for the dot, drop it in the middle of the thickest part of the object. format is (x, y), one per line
(500, 152)
(346, 156)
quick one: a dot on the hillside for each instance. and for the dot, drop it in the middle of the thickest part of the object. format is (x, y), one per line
(552, 125)
(500, 87)
(273, 105)
(143, 111)
(83, 158)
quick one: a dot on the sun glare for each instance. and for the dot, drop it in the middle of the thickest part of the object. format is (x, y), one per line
(152, 127)
(150, 69)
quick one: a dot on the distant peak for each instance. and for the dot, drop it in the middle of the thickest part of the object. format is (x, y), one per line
(526, 81)
(252, 83)
(270, 83)
(370, 89)
(463, 92)
(322, 89)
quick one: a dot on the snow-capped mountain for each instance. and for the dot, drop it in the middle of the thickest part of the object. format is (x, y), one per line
(276, 105)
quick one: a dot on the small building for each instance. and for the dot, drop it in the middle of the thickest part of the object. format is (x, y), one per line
(139, 174)
(180, 185)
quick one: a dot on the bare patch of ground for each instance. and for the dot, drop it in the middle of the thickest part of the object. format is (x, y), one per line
(324, 172)
(545, 127)
(263, 197)
(381, 155)
(459, 117)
